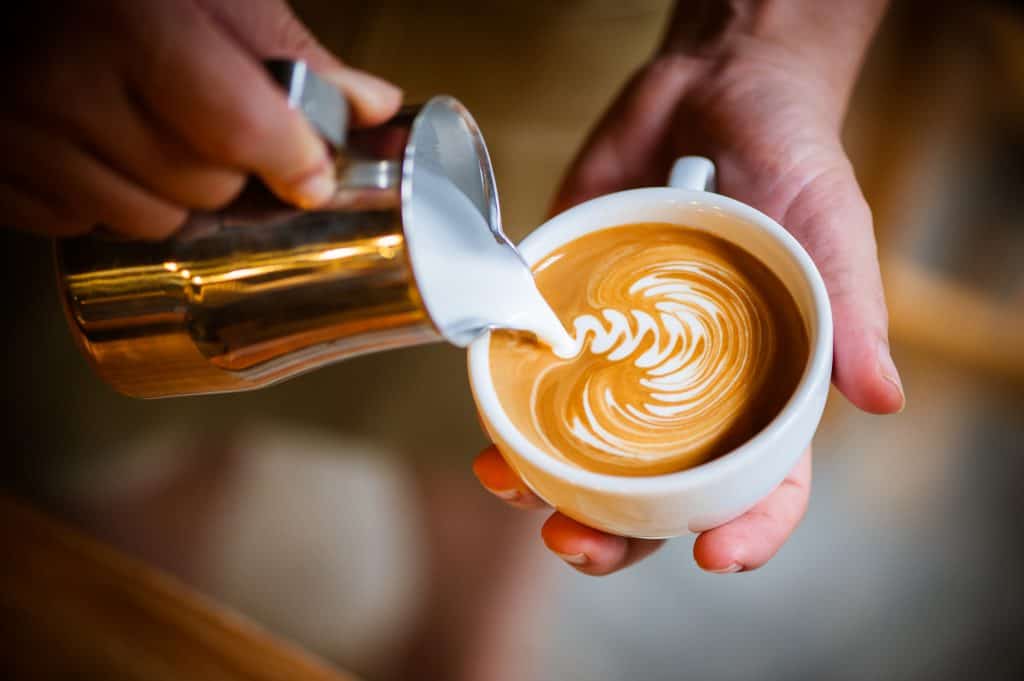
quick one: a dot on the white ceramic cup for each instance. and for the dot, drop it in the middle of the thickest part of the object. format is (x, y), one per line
(708, 495)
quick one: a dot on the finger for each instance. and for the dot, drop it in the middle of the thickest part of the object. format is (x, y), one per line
(130, 139)
(591, 551)
(83, 190)
(118, 203)
(124, 135)
(625, 149)
(499, 479)
(23, 209)
(833, 221)
(271, 29)
(214, 94)
(372, 99)
(749, 541)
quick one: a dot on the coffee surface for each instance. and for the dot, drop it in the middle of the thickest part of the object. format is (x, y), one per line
(686, 347)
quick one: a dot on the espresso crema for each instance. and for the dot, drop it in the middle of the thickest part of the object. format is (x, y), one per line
(686, 346)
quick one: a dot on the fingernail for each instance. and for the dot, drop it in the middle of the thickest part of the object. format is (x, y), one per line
(315, 190)
(733, 567)
(506, 494)
(889, 372)
(576, 559)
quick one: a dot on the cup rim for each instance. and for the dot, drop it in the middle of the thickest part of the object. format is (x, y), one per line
(818, 366)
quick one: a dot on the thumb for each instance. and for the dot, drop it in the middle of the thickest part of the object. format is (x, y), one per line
(831, 218)
(269, 29)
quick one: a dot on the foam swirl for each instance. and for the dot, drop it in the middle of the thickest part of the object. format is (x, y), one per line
(686, 346)
(700, 346)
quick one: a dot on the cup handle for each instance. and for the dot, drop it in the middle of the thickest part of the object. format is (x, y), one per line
(693, 172)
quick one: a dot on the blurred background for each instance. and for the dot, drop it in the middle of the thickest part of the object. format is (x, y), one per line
(335, 517)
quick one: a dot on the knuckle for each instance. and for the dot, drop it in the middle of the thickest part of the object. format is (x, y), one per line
(291, 36)
(217, 190)
(168, 221)
(154, 224)
(248, 126)
(669, 65)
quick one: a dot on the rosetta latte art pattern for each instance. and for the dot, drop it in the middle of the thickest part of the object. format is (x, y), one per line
(679, 366)
(686, 347)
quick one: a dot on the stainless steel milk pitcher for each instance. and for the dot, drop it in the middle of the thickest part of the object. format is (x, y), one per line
(261, 290)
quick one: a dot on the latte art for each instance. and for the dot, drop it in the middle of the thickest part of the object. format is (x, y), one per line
(686, 346)
(699, 341)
